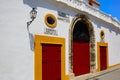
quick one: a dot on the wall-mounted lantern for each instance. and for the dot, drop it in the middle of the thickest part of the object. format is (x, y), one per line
(33, 14)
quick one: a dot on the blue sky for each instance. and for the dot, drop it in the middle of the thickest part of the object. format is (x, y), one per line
(111, 7)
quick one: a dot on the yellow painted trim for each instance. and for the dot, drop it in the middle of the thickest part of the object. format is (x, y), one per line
(39, 40)
(116, 65)
(50, 25)
(98, 53)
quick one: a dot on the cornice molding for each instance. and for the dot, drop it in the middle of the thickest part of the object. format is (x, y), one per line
(82, 6)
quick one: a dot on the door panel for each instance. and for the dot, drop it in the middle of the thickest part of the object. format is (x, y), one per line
(81, 58)
(103, 58)
(51, 62)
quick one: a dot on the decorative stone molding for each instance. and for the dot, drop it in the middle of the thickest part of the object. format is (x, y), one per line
(82, 6)
(85, 19)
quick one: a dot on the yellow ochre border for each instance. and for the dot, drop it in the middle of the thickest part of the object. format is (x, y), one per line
(98, 53)
(115, 65)
(102, 32)
(39, 39)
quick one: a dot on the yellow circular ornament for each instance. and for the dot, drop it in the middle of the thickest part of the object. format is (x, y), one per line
(50, 20)
(102, 34)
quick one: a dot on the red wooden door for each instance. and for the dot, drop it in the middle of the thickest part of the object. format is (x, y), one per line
(81, 58)
(51, 62)
(103, 58)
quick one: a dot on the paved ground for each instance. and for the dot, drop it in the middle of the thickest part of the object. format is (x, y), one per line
(115, 75)
(112, 74)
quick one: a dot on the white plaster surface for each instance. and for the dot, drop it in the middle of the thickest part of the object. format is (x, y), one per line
(16, 57)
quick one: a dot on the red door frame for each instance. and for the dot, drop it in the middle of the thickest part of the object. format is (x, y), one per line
(103, 58)
(81, 58)
(51, 62)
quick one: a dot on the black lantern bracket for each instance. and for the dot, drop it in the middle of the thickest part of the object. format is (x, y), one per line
(33, 14)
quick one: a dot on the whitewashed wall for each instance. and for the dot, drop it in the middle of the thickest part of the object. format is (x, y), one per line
(16, 57)
(112, 37)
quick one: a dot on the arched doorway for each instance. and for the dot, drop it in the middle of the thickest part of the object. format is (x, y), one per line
(81, 51)
(82, 46)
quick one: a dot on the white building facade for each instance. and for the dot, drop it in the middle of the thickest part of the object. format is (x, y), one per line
(67, 39)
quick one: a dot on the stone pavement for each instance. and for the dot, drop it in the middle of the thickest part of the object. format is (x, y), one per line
(111, 74)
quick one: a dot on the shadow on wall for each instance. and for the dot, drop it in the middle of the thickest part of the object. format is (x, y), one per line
(40, 3)
(108, 26)
(115, 29)
(35, 4)
(31, 3)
